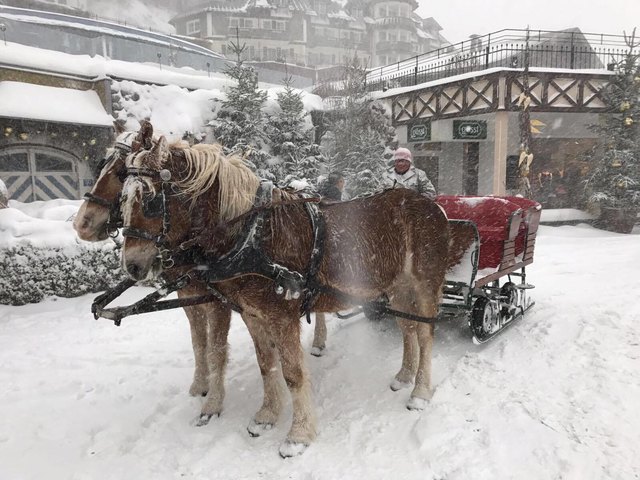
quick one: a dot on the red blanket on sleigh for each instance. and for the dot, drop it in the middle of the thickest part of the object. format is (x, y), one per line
(493, 217)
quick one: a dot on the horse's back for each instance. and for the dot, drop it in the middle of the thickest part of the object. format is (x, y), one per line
(371, 238)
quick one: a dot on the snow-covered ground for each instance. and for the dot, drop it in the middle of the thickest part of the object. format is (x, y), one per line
(554, 397)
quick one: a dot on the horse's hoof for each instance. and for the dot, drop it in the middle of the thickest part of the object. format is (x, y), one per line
(398, 385)
(292, 449)
(416, 404)
(256, 429)
(317, 351)
(196, 391)
(204, 419)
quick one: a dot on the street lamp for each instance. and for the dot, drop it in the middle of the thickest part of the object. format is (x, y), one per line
(3, 29)
(159, 60)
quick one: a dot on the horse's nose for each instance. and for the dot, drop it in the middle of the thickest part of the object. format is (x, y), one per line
(134, 270)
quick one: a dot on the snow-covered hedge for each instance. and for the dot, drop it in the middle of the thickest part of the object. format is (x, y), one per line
(30, 273)
(40, 254)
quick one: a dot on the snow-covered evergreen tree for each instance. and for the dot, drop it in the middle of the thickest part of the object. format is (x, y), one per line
(360, 135)
(615, 180)
(292, 140)
(239, 124)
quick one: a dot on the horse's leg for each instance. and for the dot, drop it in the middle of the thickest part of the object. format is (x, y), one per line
(267, 356)
(405, 376)
(219, 317)
(319, 335)
(198, 324)
(427, 302)
(303, 426)
(422, 391)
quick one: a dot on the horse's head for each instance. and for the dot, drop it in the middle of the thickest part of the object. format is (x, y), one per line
(173, 194)
(99, 214)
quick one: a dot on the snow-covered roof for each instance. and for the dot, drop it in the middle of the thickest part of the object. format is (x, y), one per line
(24, 57)
(424, 34)
(52, 104)
(463, 76)
(103, 27)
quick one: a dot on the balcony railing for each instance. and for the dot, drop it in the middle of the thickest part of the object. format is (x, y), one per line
(398, 22)
(505, 48)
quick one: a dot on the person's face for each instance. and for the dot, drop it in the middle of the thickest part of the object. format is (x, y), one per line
(402, 165)
(340, 184)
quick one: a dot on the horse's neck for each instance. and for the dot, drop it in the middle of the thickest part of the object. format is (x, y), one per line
(285, 236)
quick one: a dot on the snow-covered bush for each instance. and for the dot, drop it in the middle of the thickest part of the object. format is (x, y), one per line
(40, 254)
(30, 273)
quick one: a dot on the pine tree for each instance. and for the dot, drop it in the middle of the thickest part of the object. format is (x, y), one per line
(615, 180)
(291, 139)
(239, 123)
(360, 135)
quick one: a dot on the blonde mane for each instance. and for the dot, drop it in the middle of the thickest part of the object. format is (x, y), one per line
(237, 183)
(204, 164)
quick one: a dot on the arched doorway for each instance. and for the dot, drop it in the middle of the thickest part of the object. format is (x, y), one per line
(39, 173)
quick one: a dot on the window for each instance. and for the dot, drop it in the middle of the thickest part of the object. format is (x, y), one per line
(382, 12)
(280, 26)
(267, 24)
(193, 26)
(393, 36)
(50, 163)
(244, 23)
(393, 11)
(14, 162)
(382, 36)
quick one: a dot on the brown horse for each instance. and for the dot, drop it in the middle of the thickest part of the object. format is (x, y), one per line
(209, 322)
(392, 244)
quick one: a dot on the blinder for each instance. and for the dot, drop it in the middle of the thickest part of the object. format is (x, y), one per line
(153, 205)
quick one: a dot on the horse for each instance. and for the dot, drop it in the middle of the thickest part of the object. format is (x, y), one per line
(209, 323)
(394, 243)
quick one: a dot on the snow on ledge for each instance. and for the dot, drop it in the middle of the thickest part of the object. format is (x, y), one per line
(54, 104)
(564, 215)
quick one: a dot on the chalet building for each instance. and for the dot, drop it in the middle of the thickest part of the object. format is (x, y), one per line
(318, 33)
(460, 112)
(86, 36)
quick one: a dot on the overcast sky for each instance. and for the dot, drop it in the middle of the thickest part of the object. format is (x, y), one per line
(460, 18)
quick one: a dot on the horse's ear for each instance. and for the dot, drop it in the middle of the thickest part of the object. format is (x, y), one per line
(144, 136)
(160, 152)
(118, 127)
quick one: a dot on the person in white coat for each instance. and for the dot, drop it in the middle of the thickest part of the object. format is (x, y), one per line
(404, 174)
